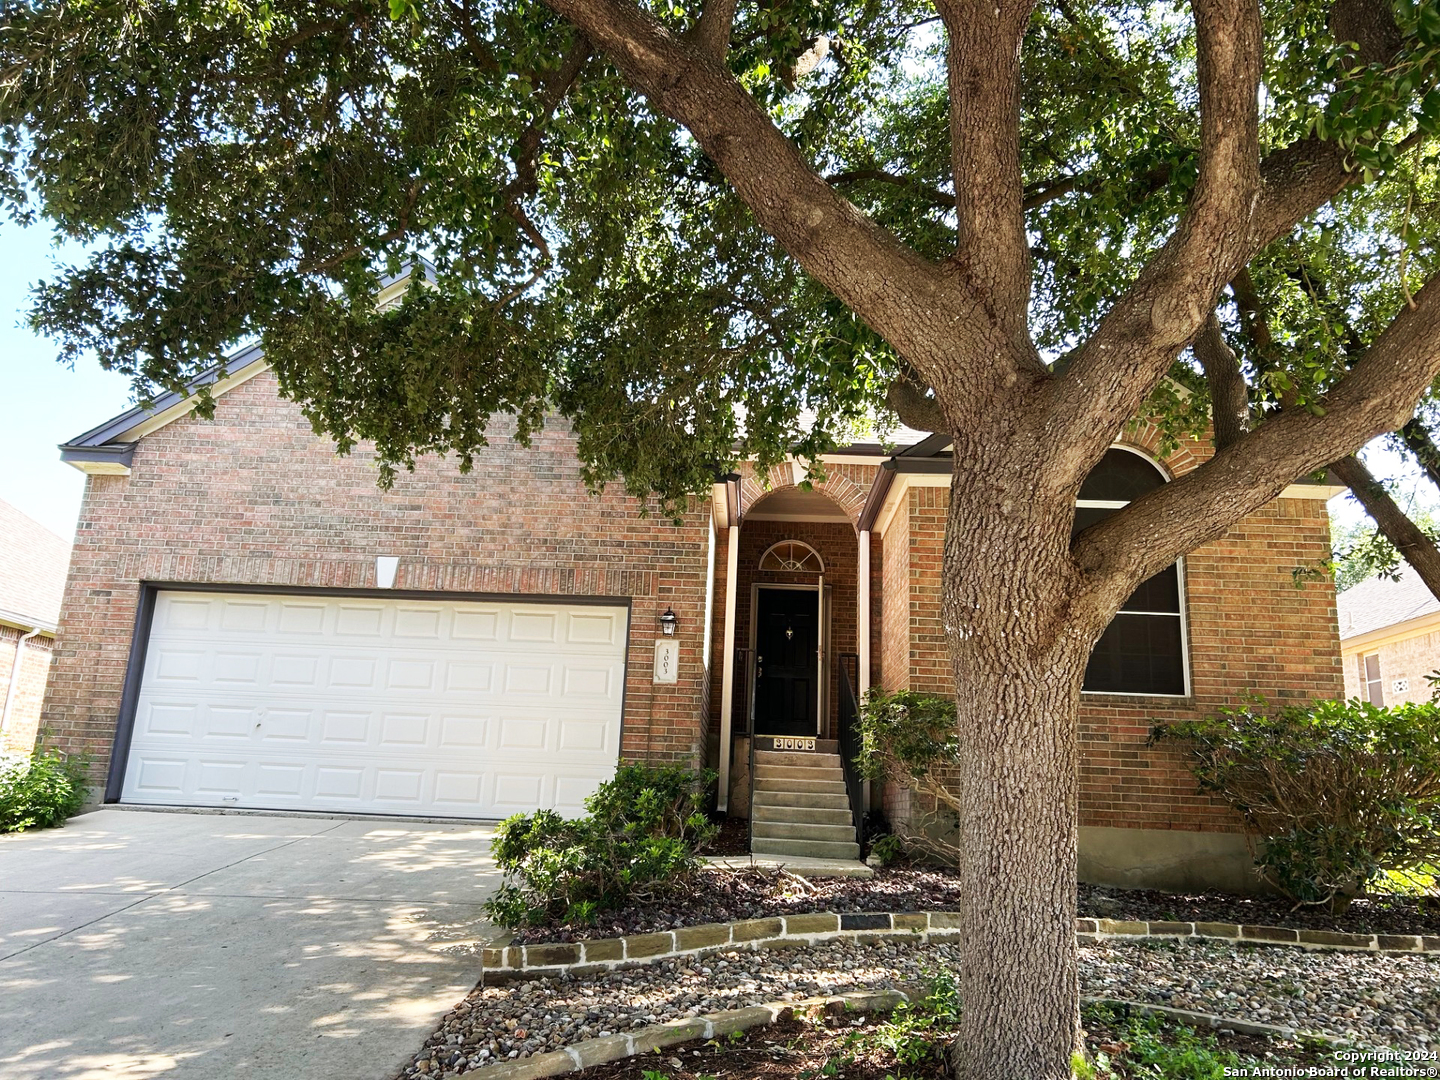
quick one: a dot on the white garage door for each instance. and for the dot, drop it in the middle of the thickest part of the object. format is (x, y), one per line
(453, 708)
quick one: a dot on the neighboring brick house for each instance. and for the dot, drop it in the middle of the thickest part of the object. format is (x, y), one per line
(250, 621)
(1389, 639)
(32, 581)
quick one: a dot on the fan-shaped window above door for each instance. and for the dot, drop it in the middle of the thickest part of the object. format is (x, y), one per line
(792, 556)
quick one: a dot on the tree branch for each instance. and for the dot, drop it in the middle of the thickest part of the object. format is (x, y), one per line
(914, 407)
(992, 250)
(941, 200)
(1414, 546)
(1229, 398)
(1417, 439)
(711, 34)
(902, 296)
(1377, 395)
(1159, 315)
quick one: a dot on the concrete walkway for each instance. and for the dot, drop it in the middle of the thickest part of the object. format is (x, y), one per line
(148, 944)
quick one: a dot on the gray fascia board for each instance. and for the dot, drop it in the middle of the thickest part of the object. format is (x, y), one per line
(118, 425)
(919, 465)
(119, 453)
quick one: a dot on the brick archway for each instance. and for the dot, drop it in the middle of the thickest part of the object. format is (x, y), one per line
(840, 490)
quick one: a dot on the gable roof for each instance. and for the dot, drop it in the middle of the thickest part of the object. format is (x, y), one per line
(110, 447)
(1378, 603)
(33, 562)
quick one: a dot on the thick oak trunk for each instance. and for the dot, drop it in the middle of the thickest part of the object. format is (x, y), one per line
(1018, 659)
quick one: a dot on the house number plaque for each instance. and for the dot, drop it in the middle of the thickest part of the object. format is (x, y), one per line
(794, 744)
(667, 660)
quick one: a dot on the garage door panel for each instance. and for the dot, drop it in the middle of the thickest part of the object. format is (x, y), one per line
(462, 708)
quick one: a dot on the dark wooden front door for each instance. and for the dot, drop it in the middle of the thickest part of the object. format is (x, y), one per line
(786, 661)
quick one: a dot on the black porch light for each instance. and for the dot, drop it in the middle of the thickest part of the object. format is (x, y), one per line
(668, 622)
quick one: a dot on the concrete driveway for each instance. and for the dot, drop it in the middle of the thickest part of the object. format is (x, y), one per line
(146, 944)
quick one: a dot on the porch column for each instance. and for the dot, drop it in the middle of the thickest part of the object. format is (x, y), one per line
(727, 686)
(862, 635)
(862, 609)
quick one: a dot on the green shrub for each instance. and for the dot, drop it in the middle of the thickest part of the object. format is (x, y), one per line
(888, 849)
(1334, 794)
(639, 840)
(40, 791)
(909, 739)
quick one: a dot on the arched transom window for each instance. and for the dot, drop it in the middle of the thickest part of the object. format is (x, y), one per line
(1143, 649)
(793, 556)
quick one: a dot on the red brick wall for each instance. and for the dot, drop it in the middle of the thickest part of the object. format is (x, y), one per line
(1250, 630)
(23, 723)
(256, 497)
(893, 602)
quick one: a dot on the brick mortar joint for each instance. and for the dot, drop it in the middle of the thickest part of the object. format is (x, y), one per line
(515, 960)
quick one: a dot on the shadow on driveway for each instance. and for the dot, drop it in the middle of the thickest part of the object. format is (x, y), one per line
(141, 944)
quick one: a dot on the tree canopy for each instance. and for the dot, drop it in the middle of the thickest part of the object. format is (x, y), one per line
(247, 170)
(708, 231)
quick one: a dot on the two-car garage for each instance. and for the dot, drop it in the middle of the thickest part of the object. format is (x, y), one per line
(460, 707)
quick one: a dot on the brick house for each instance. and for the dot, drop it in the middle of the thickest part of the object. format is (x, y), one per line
(32, 580)
(249, 621)
(1389, 639)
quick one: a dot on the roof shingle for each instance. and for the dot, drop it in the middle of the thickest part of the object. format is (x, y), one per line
(33, 562)
(1377, 603)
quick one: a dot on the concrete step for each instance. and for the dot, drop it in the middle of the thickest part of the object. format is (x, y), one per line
(797, 799)
(812, 849)
(799, 830)
(800, 787)
(799, 758)
(795, 772)
(814, 815)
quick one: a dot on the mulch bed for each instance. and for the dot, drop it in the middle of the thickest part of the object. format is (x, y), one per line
(720, 896)
(798, 1050)
(734, 838)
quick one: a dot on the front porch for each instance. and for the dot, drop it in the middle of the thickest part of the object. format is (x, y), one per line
(797, 585)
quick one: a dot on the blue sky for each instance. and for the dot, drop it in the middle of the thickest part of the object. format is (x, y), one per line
(45, 402)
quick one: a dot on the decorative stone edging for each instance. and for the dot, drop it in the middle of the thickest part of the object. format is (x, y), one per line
(1099, 929)
(589, 1052)
(503, 962)
(607, 1048)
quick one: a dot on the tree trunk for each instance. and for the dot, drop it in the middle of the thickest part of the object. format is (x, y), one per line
(1019, 658)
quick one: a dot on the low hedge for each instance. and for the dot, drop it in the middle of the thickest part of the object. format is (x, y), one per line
(40, 791)
(1335, 794)
(639, 840)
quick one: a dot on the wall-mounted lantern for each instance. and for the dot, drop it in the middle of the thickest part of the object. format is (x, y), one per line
(668, 622)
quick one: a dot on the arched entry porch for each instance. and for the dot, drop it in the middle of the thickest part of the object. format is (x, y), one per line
(790, 622)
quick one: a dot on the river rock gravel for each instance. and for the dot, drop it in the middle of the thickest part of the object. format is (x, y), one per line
(1378, 1001)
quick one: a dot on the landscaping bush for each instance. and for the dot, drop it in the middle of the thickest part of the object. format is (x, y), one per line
(909, 739)
(40, 791)
(1334, 794)
(639, 840)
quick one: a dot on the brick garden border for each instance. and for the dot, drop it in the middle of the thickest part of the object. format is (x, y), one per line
(502, 962)
(608, 1048)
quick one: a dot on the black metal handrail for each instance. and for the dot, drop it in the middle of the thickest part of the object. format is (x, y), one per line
(740, 694)
(742, 699)
(850, 740)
